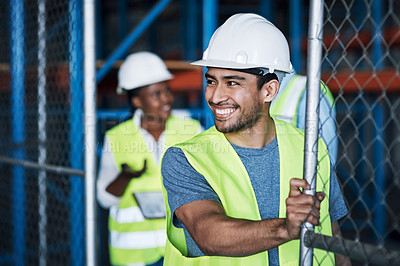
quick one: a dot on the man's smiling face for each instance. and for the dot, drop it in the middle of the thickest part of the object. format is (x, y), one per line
(234, 99)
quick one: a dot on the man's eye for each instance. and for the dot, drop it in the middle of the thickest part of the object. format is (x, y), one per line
(157, 95)
(210, 82)
(232, 83)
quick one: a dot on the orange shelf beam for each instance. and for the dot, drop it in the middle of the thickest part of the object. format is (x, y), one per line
(367, 81)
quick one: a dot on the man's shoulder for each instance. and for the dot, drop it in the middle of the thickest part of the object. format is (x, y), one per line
(173, 154)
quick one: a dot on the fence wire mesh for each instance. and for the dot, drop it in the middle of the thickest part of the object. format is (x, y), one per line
(360, 65)
(41, 189)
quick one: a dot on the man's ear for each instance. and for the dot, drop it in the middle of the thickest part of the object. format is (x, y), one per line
(270, 90)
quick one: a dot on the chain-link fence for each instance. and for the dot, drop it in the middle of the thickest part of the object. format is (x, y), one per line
(360, 64)
(42, 203)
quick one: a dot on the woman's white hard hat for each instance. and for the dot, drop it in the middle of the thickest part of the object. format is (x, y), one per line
(141, 69)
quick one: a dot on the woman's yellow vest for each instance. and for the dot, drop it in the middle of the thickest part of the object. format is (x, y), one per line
(211, 155)
(126, 221)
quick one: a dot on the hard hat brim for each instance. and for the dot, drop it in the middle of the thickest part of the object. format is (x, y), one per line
(234, 65)
(122, 90)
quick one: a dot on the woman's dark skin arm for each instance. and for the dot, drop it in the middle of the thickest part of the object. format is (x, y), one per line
(118, 186)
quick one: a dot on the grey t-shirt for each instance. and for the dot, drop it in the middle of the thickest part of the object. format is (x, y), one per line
(185, 185)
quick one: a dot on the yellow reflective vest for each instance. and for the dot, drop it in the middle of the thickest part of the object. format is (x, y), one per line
(132, 238)
(211, 155)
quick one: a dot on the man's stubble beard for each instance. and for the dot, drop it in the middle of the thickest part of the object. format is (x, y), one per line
(246, 121)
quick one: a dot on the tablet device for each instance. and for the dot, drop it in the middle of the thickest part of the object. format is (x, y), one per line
(151, 203)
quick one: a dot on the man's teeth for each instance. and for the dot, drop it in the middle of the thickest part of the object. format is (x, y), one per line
(224, 111)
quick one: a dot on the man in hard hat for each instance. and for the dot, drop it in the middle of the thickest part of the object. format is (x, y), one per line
(129, 181)
(234, 192)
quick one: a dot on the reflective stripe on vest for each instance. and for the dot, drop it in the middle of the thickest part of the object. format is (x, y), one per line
(132, 237)
(138, 240)
(126, 215)
(212, 155)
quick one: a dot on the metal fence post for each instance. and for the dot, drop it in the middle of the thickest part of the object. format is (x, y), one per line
(210, 22)
(18, 128)
(295, 34)
(315, 30)
(90, 131)
(76, 204)
(42, 133)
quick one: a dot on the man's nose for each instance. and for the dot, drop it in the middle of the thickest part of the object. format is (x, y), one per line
(219, 94)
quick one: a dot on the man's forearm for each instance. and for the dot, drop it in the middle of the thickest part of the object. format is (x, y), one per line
(250, 237)
(217, 234)
(238, 237)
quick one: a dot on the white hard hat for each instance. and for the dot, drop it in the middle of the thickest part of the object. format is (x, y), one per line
(141, 69)
(248, 41)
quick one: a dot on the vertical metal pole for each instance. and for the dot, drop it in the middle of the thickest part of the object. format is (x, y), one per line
(210, 20)
(295, 33)
(90, 130)
(18, 128)
(315, 30)
(190, 24)
(98, 25)
(42, 131)
(76, 207)
(266, 9)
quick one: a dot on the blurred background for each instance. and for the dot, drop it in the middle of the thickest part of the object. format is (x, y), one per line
(42, 214)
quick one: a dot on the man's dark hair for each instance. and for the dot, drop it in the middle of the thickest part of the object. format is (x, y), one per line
(261, 77)
(261, 80)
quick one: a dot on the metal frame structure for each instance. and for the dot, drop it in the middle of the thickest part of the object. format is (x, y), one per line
(315, 31)
(18, 126)
(90, 132)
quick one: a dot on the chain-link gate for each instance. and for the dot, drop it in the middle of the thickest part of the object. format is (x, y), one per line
(360, 64)
(41, 127)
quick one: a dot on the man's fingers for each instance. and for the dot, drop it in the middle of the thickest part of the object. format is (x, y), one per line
(312, 219)
(320, 196)
(305, 200)
(295, 186)
(304, 208)
(301, 215)
(301, 207)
